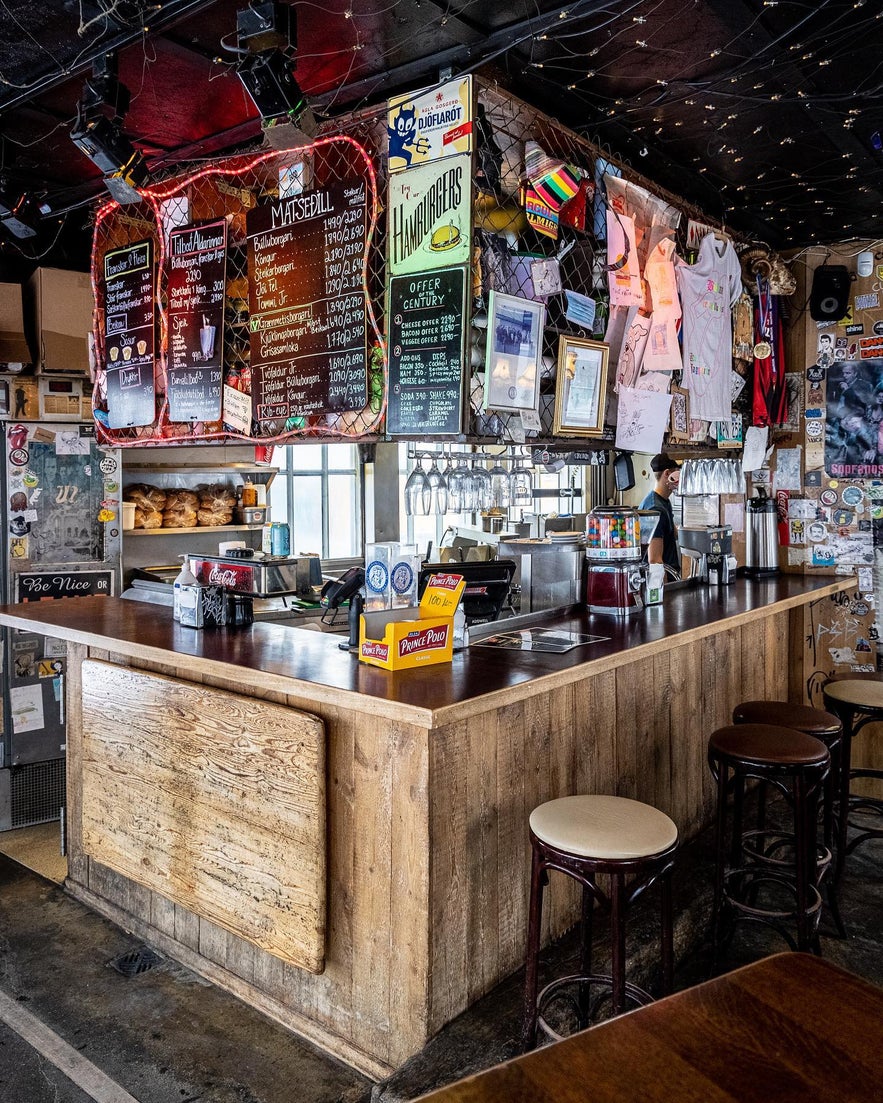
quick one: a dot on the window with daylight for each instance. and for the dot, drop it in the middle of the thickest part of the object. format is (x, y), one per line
(317, 491)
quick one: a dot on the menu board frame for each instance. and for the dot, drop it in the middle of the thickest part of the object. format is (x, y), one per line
(195, 287)
(129, 327)
(416, 348)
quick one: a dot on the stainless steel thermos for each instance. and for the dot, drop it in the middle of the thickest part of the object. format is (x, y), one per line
(762, 536)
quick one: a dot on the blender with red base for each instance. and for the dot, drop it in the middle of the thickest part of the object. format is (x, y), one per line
(615, 574)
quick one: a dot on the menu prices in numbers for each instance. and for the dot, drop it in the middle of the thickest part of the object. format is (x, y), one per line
(129, 297)
(426, 329)
(197, 263)
(307, 305)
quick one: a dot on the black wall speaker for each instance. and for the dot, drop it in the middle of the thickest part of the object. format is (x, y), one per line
(623, 471)
(829, 297)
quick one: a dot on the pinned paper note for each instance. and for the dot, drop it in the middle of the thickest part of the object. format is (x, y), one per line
(643, 419)
(755, 448)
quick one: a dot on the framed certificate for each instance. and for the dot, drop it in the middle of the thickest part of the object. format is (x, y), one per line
(581, 388)
(514, 346)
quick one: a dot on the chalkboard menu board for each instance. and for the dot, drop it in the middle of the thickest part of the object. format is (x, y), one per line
(308, 328)
(426, 328)
(129, 297)
(197, 263)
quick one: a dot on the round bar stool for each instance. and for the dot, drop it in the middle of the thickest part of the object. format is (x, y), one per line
(583, 836)
(797, 765)
(824, 726)
(858, 700)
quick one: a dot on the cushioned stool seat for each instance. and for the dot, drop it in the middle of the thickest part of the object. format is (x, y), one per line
(603, 827)
(797, 764)
(583, 836)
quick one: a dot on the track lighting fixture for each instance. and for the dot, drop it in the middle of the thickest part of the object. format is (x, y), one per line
(98, 133)
(267, 39)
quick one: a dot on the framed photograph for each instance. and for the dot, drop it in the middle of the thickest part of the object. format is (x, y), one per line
(679, 420)
(581, 387)
(514, 347)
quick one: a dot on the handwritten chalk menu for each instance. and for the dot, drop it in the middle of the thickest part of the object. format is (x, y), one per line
(307, 328)
(129, 296)
(426, 329)
(197, 262)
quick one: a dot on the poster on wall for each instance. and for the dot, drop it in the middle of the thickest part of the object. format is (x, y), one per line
(197, 264)
(427, 126)
(129, 295)
(854, 419)
(308, 330)
(429, 216)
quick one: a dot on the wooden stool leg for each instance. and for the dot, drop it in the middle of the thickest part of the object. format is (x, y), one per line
(617, 941)
(720, 862)
(586, 929)
(538, 879)
(736, 838)
(666, 935)
(847, 717)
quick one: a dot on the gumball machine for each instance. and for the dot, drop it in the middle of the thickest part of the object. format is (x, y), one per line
(615, 574)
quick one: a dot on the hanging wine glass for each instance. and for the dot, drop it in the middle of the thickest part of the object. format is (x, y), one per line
(417, 492)
(460, 488)
(438, 489)
(521, 483)
(481, 482)
(500, 491)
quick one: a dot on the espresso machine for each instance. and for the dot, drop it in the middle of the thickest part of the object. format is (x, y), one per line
(615, 576)
(712, 547)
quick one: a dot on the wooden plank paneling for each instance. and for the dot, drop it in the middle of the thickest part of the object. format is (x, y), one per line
(214, 800)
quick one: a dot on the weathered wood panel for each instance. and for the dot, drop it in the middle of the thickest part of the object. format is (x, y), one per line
(214, 800)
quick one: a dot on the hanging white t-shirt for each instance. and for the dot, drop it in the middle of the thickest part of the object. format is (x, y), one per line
(662, 352)
(709, 288)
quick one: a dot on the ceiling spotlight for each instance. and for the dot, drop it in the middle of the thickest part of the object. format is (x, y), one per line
(98, 132)
(123, 166)
(18, 217)
(267, 40)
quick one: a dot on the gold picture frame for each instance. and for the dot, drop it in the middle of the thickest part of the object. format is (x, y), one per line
(580, 387)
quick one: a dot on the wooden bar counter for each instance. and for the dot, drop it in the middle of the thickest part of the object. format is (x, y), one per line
(361, 872)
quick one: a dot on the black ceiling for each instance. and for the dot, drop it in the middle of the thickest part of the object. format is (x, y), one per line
(765, 114)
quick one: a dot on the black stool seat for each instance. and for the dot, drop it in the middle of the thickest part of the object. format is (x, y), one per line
(769, 745)
(858, 700)
(823, 725)
(797, 764)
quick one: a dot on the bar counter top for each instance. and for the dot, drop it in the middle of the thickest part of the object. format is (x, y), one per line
(479, 678)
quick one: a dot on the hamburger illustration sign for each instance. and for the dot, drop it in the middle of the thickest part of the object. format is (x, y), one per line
(429, 216)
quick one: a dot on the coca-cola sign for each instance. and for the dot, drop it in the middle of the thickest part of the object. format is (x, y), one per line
(371, 649)
(232, 576)
(428, 639)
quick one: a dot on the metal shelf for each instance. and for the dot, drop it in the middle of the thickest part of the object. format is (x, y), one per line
(201, 468)
(197, 528)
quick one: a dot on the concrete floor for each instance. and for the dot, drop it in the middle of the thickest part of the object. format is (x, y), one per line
(165, 1036)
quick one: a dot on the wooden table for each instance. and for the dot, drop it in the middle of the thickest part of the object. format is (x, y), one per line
(791, 1027)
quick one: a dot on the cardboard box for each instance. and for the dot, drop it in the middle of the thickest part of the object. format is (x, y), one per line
(14, 349)
(59, 309)
(396, 639)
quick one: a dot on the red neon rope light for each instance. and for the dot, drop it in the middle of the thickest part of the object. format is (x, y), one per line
(154, 195)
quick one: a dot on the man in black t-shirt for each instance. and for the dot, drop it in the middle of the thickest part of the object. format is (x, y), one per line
(663, 547)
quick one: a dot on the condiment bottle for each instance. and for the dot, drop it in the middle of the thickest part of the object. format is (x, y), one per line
(186, 577)
(249, 494)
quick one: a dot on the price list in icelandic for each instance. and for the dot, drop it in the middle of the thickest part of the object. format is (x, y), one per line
(308, 328)
(129, 297)
(426, 330)
(197, 260)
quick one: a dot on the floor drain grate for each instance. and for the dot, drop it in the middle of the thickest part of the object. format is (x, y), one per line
(133, 962)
